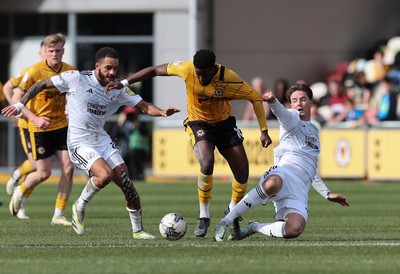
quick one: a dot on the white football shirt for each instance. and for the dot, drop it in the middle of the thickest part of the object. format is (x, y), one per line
(299, 144)
(89, 107)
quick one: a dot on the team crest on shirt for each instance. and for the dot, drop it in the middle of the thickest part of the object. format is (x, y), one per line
(25, 78)
(200, 133)
(218, 92)
(177, 63)
(129, 91)
(112, 96)
(90, 155)
(66, 74)
(41, 150)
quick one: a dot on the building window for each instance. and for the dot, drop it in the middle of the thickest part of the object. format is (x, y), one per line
(115, 24)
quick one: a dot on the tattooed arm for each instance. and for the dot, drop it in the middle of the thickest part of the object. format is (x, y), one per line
(16, 108)
(35, 89)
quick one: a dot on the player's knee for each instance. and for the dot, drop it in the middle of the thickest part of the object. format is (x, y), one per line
(273, 185)
(207, 168)
(43, 175)
(105, 176)
(293, 230)
(69, 170)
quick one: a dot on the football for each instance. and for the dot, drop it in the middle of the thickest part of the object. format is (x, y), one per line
(173, 226)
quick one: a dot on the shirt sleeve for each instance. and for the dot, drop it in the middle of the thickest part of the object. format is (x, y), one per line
(260, 113)
(320, 186)
(287, 118)
(66, 81)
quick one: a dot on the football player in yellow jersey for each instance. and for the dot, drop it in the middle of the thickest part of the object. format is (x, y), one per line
(29, 165)
(48, 133)
(210, 87)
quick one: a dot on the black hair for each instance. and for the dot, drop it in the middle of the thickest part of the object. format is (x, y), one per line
(297, 87)
(204, 59)
(105, 52)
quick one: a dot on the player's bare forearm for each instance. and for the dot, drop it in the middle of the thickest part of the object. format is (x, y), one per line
(152, 110)
(35, 89)
(141, 75)
(147, 73)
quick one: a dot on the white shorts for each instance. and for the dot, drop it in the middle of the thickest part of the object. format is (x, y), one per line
(84, 157)
(293, 196)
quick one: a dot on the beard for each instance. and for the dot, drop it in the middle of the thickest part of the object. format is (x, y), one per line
(104, 79)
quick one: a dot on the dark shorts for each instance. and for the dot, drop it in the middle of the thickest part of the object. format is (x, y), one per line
(25, 140)
(45, 144)
(223, 135)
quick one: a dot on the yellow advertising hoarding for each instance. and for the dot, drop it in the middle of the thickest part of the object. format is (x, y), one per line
(343, 153)
(383, 149)
(173, 155)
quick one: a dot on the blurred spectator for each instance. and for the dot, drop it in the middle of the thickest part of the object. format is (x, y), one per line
(337, 101)
(354, 115)
(394, 73)
(384, 104)
(375, 69)
(316, 117)
(138, 147)
(133, 139)
(280, 87)
(388, 103)
(257, 83)
(360, 90)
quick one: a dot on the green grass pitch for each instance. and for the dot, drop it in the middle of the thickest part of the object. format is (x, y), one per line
(363, 238)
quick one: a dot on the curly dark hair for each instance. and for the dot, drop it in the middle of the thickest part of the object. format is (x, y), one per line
(203, 59)
(297, 87)
(105, 52)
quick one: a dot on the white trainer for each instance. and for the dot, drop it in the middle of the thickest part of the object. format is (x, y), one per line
(60, 220)
(78, 219)
(11, 185)
(15, 202)
(143, 235)
(22, 214)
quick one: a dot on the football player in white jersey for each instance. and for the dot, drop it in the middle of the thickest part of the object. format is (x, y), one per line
(89, 145)
(288, 182)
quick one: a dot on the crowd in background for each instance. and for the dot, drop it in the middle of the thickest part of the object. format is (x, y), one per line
(357, 93)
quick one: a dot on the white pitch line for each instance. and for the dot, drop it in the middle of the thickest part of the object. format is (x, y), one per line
(207, 245)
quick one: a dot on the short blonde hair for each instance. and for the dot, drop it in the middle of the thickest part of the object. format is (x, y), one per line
(53, 39)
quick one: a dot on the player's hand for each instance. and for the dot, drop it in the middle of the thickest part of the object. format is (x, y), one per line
(169, 111)
(10, 111)
(269, 96)
(338, 198)
(265, 139)
(42, 122)
(113, 85)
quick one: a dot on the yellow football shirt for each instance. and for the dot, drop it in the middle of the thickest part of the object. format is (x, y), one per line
(211, 103)
(15, 81)
(49, 102)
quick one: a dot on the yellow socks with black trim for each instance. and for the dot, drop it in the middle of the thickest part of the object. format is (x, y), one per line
(25, 168)
(205, 185)
(238, 191)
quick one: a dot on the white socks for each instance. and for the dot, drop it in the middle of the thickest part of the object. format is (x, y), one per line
(87, 194)
(276, 229)
(204, 211)
(136, 219)
(251, 200)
